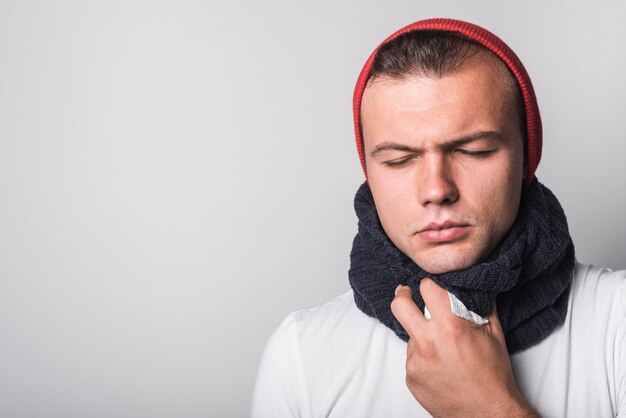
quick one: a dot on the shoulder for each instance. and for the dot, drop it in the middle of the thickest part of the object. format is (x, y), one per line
(306, 336)
(307, 353)
(598, 313)
(596, 290)
(334, 322)
(330, 311)
(579, 366)
(597, 297)
(592, 275)
(594, 326)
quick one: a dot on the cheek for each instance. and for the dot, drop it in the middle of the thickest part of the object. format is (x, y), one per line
(497, 194)
(389, 199)
(393, 201)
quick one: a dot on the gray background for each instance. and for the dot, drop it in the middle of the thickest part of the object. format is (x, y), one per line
(176, 176)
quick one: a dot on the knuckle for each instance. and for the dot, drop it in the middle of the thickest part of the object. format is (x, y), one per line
(398, 304)
(412, 367)
(428, 350)
(410, 381)
(428, 284)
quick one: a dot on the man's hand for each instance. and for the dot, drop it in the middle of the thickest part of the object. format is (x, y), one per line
(455, 367)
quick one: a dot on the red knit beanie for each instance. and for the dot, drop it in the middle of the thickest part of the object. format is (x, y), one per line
(492, 43)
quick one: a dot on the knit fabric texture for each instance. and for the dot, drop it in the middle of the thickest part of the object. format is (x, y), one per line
(528, 274)
(494, 44)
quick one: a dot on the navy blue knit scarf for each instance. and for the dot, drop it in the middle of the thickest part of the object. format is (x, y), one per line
(529, 273)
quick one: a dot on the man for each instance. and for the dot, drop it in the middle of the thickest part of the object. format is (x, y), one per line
(466, 297)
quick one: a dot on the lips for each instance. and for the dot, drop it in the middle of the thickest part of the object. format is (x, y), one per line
(443, 232)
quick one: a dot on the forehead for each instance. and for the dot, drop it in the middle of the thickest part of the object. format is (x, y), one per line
(477, 96)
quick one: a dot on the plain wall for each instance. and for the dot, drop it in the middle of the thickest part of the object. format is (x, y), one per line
(176, 176)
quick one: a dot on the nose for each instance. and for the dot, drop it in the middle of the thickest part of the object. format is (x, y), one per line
(436, 183)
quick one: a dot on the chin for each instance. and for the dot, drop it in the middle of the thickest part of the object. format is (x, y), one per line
(443, 260)
(441, 268)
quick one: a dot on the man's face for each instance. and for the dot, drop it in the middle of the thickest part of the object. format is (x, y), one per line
(445, 162)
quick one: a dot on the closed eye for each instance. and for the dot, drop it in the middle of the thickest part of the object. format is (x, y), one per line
(397, 163)
(477, 154)
(403, 161)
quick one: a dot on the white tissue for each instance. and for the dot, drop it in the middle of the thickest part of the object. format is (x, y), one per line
(460, 310)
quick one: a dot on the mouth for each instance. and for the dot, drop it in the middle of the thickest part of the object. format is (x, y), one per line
(443, 232)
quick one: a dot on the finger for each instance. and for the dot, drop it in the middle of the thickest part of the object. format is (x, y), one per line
(407, 312)
(436, 299)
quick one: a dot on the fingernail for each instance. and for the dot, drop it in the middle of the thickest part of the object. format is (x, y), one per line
(397, 288)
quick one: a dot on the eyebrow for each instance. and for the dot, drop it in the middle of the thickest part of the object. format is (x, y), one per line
(393, 146)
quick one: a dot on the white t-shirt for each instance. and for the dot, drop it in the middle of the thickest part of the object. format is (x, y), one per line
(335, 361)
